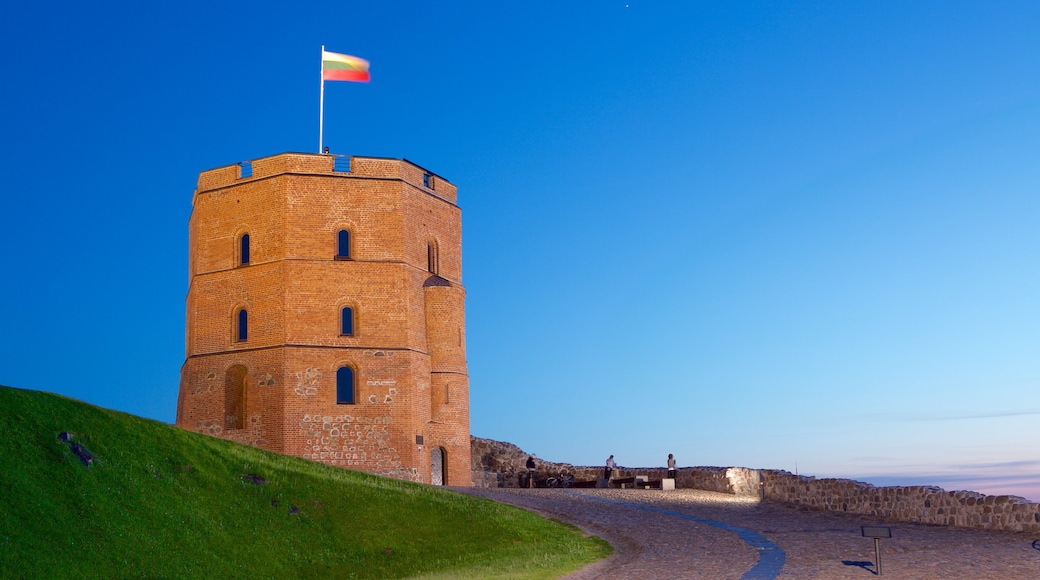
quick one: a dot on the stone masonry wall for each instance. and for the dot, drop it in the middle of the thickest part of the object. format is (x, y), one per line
(920, 504)
(498, 464)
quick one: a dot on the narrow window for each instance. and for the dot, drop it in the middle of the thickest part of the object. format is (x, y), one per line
(343, 245)
(245, 169)
(345, 386)
(347, 321)
(242, 330)
(427, 179)
(431, 257)
(243, 250)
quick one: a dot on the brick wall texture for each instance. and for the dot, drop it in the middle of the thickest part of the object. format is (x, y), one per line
(402, 279)
(499, 464)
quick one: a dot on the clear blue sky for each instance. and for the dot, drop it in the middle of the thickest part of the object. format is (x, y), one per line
(746, 235)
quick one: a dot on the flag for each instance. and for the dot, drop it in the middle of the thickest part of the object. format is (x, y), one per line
(343, 67)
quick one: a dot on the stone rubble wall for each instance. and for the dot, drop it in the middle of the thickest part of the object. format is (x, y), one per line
(919, 504)
(499, 464)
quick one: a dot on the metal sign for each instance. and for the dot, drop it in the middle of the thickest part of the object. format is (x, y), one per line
(876, 532)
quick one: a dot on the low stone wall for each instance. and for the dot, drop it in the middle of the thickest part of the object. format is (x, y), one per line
(498, 464)
(921, 504)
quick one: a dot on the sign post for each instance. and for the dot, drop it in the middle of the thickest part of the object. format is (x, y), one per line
(876, 532)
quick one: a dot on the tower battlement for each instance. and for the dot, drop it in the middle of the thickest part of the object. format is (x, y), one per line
(315, 164)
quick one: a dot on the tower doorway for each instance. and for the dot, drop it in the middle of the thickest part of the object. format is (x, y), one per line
(437, 463)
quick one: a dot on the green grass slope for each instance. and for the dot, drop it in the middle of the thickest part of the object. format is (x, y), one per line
(161, 502)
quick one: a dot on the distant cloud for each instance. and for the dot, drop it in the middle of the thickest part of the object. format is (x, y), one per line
(1029, 469)
(983, 416)
(922, 418)
(1001, 465)
(1024, 485)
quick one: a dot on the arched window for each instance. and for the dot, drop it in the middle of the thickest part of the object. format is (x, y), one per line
(243, 250)
(242, 325)
(343, 245)
(345, 386)
(347, 321)
(431, 257)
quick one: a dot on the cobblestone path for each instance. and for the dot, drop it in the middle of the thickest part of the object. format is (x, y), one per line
(653, 538)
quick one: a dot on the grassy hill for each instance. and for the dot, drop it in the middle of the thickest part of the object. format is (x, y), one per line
(161, 502)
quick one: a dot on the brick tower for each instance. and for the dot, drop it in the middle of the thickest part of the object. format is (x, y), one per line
(326, 316)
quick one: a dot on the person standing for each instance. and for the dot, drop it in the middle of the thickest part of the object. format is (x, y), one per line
(530, 471)
(609, 469)
(671, 466)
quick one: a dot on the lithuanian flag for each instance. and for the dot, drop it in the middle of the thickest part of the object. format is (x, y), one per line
(343, 67)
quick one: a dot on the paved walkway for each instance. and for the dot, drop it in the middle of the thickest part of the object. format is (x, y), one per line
(701, 534)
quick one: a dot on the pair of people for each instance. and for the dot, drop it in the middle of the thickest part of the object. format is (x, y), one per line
(609, 469)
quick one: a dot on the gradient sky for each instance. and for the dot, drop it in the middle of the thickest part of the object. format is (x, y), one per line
(770, 235)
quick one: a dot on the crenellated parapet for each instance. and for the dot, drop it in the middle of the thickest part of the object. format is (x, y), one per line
(342, 166)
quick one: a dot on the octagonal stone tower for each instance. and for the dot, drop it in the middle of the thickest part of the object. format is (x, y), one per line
(326, 316)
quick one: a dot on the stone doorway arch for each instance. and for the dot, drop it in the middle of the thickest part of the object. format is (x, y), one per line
(438, 461)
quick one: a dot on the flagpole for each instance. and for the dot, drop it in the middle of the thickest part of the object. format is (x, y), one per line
(321, 106)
